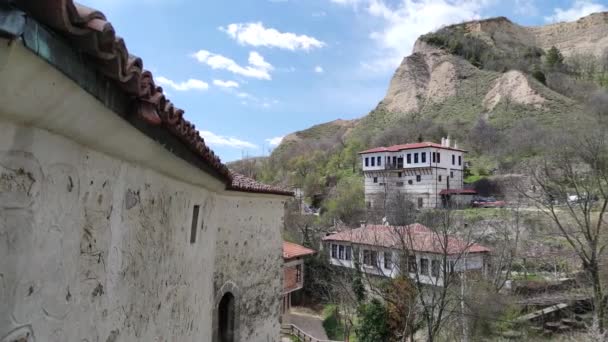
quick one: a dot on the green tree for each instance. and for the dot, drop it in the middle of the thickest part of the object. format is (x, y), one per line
(348, 202)
(373, 322)
(554, 58)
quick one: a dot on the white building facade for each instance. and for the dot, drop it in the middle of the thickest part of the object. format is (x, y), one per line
(379, 254)
(419, 170)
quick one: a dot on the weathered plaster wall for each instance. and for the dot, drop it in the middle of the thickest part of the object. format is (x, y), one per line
(249, 254)
(93, 248)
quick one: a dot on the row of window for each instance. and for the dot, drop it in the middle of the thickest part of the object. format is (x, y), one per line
(373, 160)
(418, 179)
(370, 258)
(417, 157)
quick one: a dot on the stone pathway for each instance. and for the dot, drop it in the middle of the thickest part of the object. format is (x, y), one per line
(309, 322)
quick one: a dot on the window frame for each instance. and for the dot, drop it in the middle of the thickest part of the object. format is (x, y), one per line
(409, 158)
(373, 160)
(388, 265)
(379, 161)
(334, 251)
(423, 157)
(375, 180)
(366, 161)
(416, 159)
(418, 178)
(435, 268)
(453, 159)
(424, 266)
(459, 160)
(412, 267)
(299, 273)
(348, 253)
(340, 252)
(370, 258)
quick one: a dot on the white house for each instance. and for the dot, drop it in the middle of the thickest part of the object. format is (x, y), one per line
(415, 250)
(421, 170)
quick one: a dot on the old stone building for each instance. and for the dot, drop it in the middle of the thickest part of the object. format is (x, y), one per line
(419, 171)
(117, 222)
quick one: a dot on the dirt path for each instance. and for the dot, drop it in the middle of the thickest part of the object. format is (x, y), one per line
(309, 322)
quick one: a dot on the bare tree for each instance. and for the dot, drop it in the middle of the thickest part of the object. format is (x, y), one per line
(572, 190)
(439, 280)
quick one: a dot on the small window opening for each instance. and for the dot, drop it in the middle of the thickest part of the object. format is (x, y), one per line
(195, 211)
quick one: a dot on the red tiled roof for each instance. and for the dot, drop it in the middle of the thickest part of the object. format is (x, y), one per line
(458, 192)
(292, 250)
(397, 148)
(244, 183)
(88, 30)
(415, 237)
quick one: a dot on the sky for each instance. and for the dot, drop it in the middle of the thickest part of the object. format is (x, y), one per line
(249, 72)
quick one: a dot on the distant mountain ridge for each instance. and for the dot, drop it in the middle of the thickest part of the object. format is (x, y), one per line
(464, 72)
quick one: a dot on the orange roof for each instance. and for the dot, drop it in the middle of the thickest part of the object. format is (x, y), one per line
(293, 250)
(397, 148)
(415, 237)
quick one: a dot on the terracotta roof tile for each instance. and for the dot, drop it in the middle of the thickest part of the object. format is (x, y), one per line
(292, 250)
(397, 148)
(243, 183)
(416, 237)
(88, 30)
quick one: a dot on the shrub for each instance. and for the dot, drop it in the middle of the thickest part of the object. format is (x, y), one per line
(332, 325)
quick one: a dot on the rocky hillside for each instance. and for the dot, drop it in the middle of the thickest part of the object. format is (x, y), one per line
(491, 69)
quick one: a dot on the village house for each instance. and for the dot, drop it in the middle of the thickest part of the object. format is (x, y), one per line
(414, 250)
(429, 174)
(117, 222)
(293, 270)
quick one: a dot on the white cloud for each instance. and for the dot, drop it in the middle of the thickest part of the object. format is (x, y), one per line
(409, 19)
(580, 8)
(190, 84)
(274, 141)
(219, 140)
(225, 84)
(401, 22)
(319, 69)
(258, 67)
(255, 34)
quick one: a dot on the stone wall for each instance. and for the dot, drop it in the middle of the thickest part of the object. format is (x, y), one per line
(94, 248)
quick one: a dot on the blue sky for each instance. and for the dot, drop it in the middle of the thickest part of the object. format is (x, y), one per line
(248, 72)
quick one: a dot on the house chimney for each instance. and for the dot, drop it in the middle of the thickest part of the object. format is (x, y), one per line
(455, 144)
(447, 141)
(442, 141)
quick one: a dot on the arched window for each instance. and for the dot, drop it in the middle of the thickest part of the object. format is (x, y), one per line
(225, 318)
